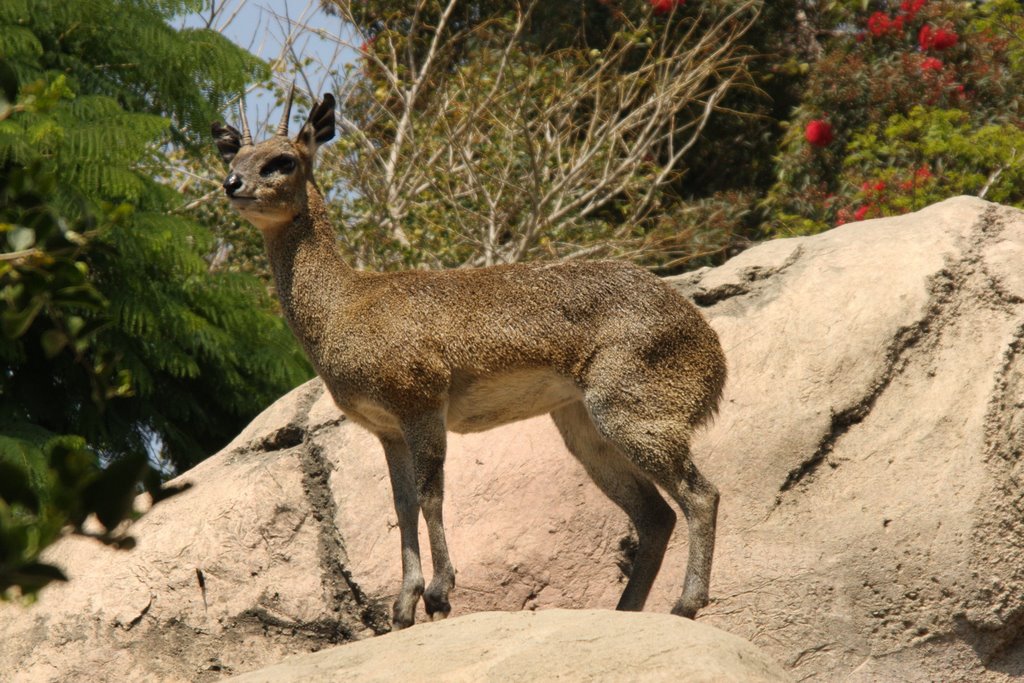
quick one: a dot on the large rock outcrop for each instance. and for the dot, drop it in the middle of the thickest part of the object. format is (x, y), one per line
(547, 645)
(868, 451)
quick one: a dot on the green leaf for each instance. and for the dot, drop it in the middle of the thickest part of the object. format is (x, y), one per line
(15, 323)
(53, 342)
(15, 486)
(21, 238)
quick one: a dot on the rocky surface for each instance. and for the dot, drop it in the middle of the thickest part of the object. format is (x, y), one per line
(868, 451)
(548, 645)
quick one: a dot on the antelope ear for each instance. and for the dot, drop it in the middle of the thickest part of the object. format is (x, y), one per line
(319, 127)
(227, 139)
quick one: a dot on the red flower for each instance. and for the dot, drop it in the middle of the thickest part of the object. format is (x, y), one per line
(931, 64)
(818, 133)
(860, 213)
(665, 6)
(920, 175)
(878, 24)
(879, 186)
(924, 37)
(937, 39)
(911, 7)
(944, 39)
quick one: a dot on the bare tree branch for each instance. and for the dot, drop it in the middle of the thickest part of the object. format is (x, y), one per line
(517, 152)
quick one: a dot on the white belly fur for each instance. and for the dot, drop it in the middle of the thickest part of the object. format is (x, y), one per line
(481, 404)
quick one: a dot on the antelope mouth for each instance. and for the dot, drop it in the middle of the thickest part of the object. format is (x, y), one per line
(240, 201)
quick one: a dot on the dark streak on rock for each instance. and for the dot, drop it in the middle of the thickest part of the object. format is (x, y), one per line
(332, 631)
(709, 297)
(1003, 434)
(628, 546)
(288, 436)
(943, 288)
(137, 620)
(341, 592)
(753, 280)
(339, 586)
(895, 360)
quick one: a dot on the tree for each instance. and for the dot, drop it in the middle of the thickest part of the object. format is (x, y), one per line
(479, 134)
(50, 482)
(922, 100)
(117, 339)
(198, 352)
(800, 137)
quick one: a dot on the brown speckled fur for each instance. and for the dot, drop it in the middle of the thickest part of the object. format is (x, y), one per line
(626, 366)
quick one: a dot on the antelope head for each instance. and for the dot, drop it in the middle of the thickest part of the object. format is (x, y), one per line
(266, 182)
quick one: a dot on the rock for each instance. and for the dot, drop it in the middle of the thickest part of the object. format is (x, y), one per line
(566, 645)
(868, 452)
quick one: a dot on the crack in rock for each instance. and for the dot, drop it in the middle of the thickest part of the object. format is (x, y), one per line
(992, 622)
(288, 436)
(342, 593)
(706, 298)
(752, 280)
(942, 288)
(339, 586)
(947, 287)
(333, 631)
(138, 619)
(1004, 430)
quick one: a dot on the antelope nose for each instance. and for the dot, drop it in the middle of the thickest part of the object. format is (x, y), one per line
(231, 184)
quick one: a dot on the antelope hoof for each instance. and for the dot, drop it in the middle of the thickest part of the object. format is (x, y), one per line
(688, 608)
(403, 617)
(438, 608)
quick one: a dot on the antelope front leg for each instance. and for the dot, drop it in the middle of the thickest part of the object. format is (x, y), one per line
(403, 486)
(427, 441)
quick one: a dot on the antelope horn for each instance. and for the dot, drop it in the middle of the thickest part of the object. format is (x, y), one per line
(282, 128)
(246, 135)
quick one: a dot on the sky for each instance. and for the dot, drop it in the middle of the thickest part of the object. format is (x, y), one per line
(262, 27)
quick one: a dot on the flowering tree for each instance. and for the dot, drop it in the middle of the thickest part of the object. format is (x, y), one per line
(922, 102)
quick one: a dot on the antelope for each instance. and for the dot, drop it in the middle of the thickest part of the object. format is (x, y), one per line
(626, 367)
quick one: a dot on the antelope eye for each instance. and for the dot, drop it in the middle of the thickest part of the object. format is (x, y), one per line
(279, 164)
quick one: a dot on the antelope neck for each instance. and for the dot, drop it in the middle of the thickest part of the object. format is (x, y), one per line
(310, 276)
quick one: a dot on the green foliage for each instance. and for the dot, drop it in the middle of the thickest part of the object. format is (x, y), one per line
(53, 313)
(189, 355)
(126, 50)
(931, 154)
(114, 329)
(49, 483)
(915, 120)
(117, 342)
